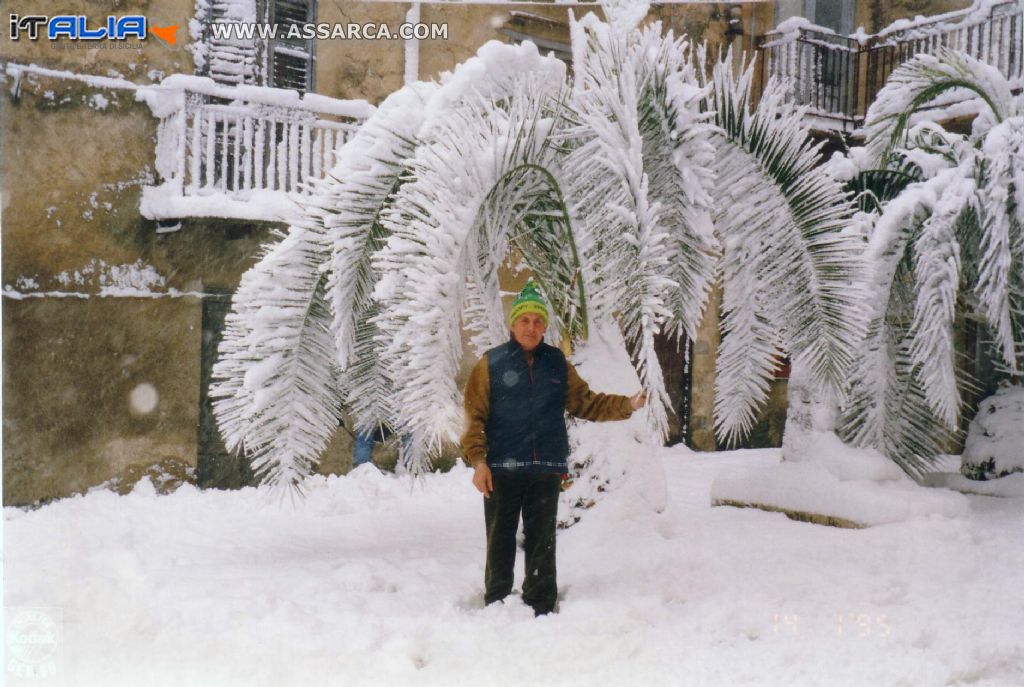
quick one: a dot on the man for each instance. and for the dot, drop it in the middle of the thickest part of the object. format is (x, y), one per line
(517, 444)
(362, 452)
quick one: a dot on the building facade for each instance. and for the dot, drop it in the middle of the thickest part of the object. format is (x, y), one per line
(118, 260)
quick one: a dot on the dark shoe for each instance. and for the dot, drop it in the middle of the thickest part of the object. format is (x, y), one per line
(542, 609)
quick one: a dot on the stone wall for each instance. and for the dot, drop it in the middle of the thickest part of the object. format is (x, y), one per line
(74, 160)
(93, 387)
(96, 385)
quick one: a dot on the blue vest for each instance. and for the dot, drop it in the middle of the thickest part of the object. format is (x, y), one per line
(526, 419)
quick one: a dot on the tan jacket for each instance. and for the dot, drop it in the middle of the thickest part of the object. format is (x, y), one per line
(580, 402)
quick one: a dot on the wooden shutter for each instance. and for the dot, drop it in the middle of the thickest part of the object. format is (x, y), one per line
(292, 60)
(231, 61)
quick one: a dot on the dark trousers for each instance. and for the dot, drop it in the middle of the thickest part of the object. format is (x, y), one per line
(535, 496)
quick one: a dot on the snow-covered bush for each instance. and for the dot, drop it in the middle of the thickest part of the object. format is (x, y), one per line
(994, 447)
(947, 237)
(627, 192)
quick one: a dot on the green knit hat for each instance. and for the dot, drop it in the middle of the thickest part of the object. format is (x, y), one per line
(528, 300)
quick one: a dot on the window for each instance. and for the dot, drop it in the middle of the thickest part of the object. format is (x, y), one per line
(832, 14)
(281, 62)
(549, 35)
(837, 15)
(233, 60)
(291, 61)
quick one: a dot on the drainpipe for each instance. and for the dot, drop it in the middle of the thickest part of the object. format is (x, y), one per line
(412, 47)
(753, 31)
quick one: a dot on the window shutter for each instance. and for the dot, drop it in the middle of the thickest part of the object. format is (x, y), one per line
(292, 60)
(231, 61)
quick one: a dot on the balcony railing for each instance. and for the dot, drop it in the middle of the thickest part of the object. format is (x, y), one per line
(241, 152)
(838, 77)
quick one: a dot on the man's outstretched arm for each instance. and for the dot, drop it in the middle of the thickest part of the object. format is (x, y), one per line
(583, 403)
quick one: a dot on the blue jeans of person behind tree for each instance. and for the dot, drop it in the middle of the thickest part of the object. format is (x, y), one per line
(363, 451)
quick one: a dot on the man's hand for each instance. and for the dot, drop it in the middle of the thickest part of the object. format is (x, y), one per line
(638, 400)
(482, 479)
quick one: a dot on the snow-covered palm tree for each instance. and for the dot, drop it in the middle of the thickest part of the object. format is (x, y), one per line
(627, 193)
(947, 238)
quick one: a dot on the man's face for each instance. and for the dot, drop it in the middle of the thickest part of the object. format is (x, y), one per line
(528, 330)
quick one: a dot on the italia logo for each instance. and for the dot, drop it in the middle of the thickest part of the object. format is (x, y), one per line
(77, 27)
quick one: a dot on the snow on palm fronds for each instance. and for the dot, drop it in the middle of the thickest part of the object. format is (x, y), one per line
(439, 223)
(918, 83)
(639, 172)
(362, 185)
(790, 273)
(303, 333)
(1000, 204)
(275, 386)
(937, 270)
(888, 404)
(953, 239)
(606, 191)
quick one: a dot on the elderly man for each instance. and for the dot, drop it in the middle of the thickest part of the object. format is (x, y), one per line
(517, 444)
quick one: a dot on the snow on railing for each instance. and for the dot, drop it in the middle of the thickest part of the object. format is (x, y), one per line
(837, 77)
(242, 152)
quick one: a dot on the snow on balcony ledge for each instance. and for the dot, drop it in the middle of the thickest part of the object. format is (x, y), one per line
(241, 152)
(162, 97)
(167, 202)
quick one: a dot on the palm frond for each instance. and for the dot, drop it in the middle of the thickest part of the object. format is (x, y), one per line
(367, 175)
(937, 272)
(353, 199)
(912, 435)
(680, 161)
(640, 199)
(919, 82)
(1001, 215)
(275, 385)
(887, 407)
(789, 266)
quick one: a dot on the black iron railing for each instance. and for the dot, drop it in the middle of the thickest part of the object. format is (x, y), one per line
(838, 77)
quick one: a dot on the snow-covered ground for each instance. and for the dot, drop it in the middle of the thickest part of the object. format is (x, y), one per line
(374, 580)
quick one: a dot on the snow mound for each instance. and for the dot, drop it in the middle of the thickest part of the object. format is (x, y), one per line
(839, 481)
(843, 461)
(994, 447)
(608, 456)
(1011, 486)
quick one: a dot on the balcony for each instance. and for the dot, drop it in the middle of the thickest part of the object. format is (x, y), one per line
(838, 77)
(241, 152)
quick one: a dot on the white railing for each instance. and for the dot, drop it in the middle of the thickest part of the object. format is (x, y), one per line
(242, 152)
